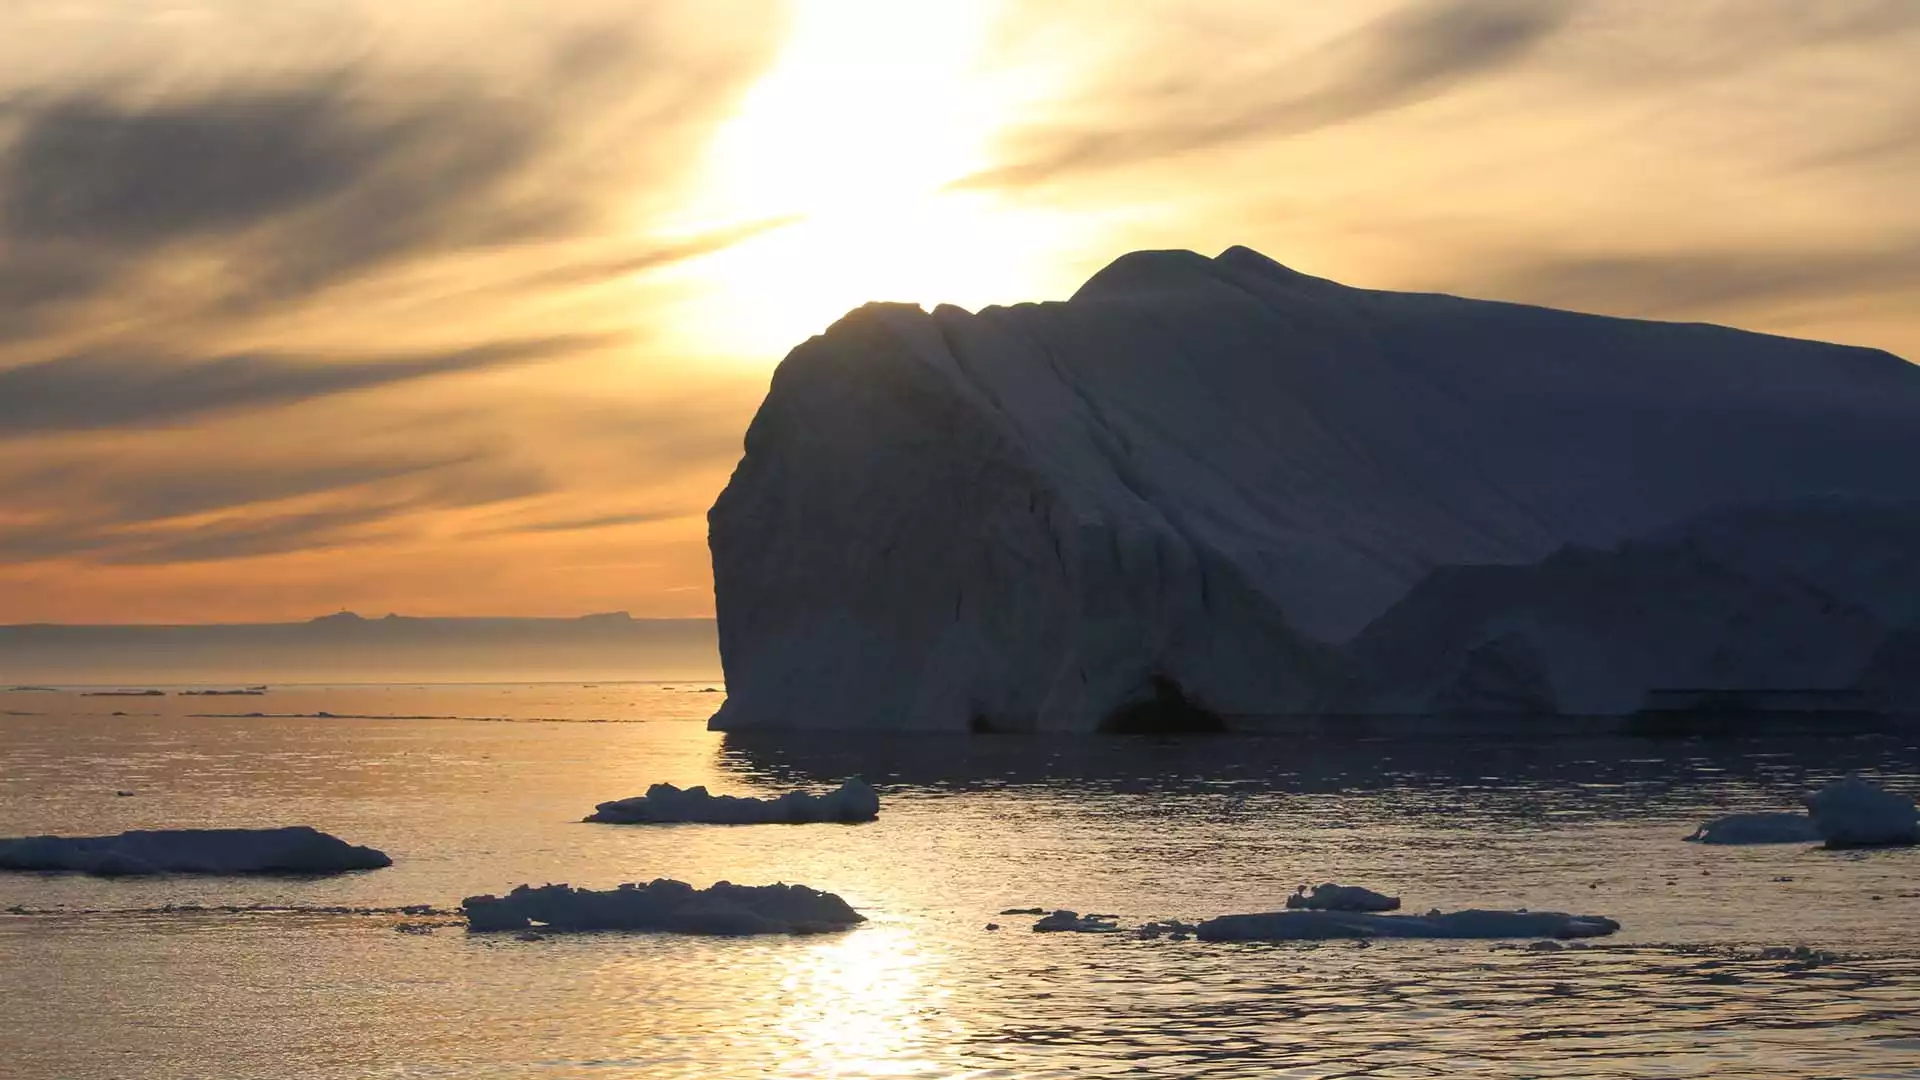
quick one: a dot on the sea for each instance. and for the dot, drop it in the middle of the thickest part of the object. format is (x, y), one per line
(1775, 961)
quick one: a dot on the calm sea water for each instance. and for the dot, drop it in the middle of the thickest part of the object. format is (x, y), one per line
(478, 788)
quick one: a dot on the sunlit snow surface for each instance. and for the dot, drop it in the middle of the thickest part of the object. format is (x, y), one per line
(1140, 828)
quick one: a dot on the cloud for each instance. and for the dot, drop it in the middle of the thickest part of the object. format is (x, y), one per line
(1408, 55)
(91, 391)
(603, 521)
(1687, 283)
(221, 197)
(106, 510)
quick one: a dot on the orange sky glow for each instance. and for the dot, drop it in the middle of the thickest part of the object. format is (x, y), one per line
(444, 311)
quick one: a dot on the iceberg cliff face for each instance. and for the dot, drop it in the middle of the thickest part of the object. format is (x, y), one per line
(1199, 480)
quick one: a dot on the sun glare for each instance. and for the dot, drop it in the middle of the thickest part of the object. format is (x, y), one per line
(872, 110)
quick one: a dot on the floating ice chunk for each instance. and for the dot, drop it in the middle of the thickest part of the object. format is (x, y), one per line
(1172, 928)
(1071, 922)
(1332, 897)
(1787, 828)
(665, 905)
(296, 849)
(1323, 925)
(663, 803)
(1855, 813)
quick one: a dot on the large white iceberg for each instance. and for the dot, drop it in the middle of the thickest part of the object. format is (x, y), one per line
(665, 905)
(1321, 925)
(852, 801)
(1856, 813)
(296, 849)
(1207, 489)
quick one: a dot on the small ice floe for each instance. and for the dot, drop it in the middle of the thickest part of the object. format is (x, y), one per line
(1170, 928)
(1855, 813)
(664, 905)
(1064, 921)
(1786, 828)
(1324, 925)
(665, 804)
(1332, 897)
(296, 849)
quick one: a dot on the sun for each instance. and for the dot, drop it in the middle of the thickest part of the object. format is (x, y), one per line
(855, 136)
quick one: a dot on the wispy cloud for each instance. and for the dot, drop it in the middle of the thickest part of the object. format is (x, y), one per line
(1407, 55)
(1702, 282)
(92, 391)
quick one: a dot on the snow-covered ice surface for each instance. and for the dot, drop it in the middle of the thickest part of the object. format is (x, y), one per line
(1331, 897)
(275, 977)
(1228, 486)
(1472, 923)
(722, 909)
(1857, 813)
(292, 849)
(1757, 828)
(853, 801)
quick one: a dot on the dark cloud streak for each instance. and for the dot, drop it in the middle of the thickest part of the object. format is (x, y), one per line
(1680, 284)
(93, 391)
(1406, 56)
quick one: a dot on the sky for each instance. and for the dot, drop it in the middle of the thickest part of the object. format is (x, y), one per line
(458, 309)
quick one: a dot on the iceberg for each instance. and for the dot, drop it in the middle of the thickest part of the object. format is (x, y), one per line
(665, 905)
(1205, 491)
(296, 849)
(1786, 828)
(852, 801)
(1856, 813)
(1323, 925)
(1332, 897)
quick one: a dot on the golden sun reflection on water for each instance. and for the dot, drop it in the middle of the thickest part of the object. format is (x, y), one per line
(860, 1004)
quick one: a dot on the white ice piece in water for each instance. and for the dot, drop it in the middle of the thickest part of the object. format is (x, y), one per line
(1331, 897)
(1323, 925)
(1855, 813)
(1783, 828)
(1197, 481)
(1064, 921)
(295, 849)
(665, 905)
(852, 801)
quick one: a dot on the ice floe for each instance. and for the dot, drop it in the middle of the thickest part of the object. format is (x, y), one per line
(1856, 813)
(295, 849)
(1064, 921)
(1331, 897)
(665, 905)
(852, 801)
(1473, 923)
(1787, 828)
